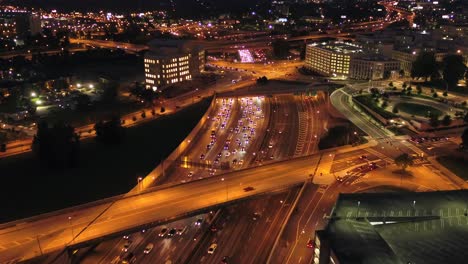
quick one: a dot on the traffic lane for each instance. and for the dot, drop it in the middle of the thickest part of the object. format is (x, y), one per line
(357, 159)
(262, 250)
(254, 146)
(239, 236)
(169, 248)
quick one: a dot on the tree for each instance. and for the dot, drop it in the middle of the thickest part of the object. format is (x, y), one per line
(384, 104)
(464, 138)
(83, 102)
(447, 120)
(390, 84)
(465, 118)
(419, 89)
(395, 110)
(56, 146)
(445, 94)
(404, 85)
(401, 73)
(262, 80)
(109, 132)
(424, 65)
(435, 95)
(453, 69)
(280, 48)
(404, 160)
(110, 93)
(434, 120)
(163, 109)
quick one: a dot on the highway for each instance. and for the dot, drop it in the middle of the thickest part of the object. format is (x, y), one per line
(232, 113)
(134, 212)
(241, 238)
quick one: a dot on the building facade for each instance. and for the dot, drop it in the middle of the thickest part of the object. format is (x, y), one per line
(20, 23)
(331, 58)
(348, 60)
(373, 68)
(172, 61)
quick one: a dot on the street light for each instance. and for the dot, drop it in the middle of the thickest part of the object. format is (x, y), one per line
(138, 183)
(358, 204)
(71, 226)
(222, 179)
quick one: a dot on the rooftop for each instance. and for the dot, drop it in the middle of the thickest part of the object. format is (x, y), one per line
(163, 48)
(339, 47)
(400, 227)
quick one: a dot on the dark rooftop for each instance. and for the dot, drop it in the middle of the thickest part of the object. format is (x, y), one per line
(404, 228)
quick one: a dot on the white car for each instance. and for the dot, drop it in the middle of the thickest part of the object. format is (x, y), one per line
(148, 248)
(212, 248)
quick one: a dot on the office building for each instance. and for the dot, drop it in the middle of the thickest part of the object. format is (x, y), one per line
(172, 61)
(20, 24)
(374, 67)
(331, 58)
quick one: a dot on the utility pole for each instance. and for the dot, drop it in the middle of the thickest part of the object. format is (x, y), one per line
(39, 244)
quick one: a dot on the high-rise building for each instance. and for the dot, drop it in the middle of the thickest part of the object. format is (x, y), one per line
(172, 61)
(21, 23)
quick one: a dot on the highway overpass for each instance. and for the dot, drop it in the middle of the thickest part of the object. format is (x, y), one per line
(75, 227)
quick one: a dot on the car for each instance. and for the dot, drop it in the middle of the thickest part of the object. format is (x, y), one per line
(172, 232)
(130, 258)
(219, 155)
(148, 248)
(212, 248)
(310, 243)
(199, 222)
(181, 231)
(126, 246)
(256, 216)
(190, 174)
(241, 162)
(225, 260)
(127, 237)
(202, 156)
(163, 232)
(363, 157)
(227, 154)
(213, 228)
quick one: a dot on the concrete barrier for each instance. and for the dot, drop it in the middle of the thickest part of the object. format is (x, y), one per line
(175, 155)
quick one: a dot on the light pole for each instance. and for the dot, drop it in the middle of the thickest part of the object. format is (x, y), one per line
(222, 179)
(358, 204)
(139, 179)
(71, 226)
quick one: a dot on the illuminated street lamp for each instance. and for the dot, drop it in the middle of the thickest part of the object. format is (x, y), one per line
(222, 179)
(71, 226)
(358, 204)
(138, 183)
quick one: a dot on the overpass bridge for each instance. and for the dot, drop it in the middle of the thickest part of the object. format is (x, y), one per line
(80, 226)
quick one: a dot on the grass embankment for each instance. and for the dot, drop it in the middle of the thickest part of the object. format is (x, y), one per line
(459, 166)
(418, 109)
(368, 101)
(103, 170)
